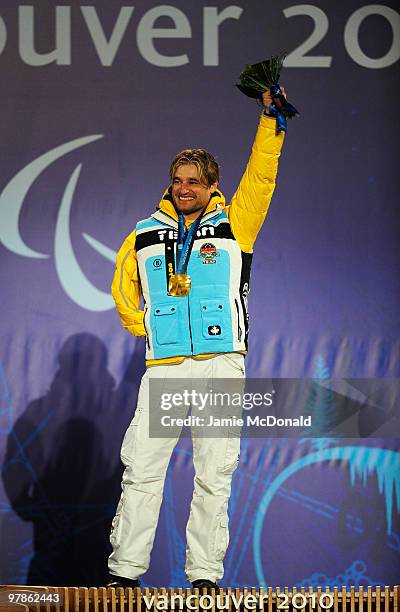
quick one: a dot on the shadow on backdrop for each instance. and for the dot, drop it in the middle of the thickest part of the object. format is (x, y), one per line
(62, 470)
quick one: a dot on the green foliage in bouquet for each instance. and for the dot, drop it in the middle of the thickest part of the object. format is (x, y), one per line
(256, 78)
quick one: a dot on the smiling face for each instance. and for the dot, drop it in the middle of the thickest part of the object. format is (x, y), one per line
(190, 195)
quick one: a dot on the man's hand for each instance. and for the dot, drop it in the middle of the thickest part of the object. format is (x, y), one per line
(266, 97)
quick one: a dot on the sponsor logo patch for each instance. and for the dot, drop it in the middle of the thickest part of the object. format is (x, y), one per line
(209, 253)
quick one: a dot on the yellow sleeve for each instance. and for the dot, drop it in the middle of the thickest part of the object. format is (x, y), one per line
(125, 288)
(251, 200)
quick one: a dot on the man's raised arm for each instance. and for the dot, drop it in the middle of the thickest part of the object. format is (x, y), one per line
(251, 201)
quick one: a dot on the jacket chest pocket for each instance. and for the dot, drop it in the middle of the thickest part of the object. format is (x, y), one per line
(166, 323)
(215, 318)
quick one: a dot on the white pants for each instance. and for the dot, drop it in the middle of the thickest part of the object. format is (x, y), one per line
(146, 461)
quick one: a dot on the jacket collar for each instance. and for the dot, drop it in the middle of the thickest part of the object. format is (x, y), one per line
(167, 214)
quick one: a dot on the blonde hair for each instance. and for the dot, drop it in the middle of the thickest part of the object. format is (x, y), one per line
(205, 163)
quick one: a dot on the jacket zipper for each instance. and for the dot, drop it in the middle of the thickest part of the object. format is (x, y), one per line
(238, 318)
(145, 328)
(190, 328)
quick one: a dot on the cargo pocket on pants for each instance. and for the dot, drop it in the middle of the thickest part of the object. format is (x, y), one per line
(221, 538)
(232, 454)
(116, 525)
(128, 447)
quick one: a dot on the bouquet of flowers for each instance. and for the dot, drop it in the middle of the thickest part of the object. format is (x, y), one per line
(257, 78)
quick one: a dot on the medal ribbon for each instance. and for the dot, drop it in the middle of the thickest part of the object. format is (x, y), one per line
(185, 243)
(280, 108)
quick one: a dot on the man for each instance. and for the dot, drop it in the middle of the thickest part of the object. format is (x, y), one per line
(190, 261)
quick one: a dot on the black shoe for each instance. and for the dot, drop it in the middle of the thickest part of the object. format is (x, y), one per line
(204, 584)
(118, 582)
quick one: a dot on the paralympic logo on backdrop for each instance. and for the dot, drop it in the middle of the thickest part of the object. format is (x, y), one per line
(74, 282)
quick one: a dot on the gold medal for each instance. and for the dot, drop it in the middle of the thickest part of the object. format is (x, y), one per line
(179, 285)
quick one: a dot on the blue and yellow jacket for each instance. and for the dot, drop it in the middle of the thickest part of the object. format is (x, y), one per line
(213, 318)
